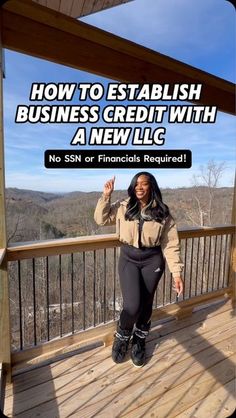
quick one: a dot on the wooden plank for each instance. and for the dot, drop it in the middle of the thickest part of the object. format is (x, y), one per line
(206, 231)
(109, 3)
(195, 335)
(61, 246)
(206, 317)
(176, 349)
(62, 345)
(178, 309)
(43, 352)
(54, 4)
(38, 31)
(164, 393)
(87, 8)
(81, 361)
(221, 401)
(97, 239)
(178, 346)
(88, 243)
(131, 389)
(194, 338)
(42, 2)
(77, 7)
(232, 277)
(2, 168)
(101, 361)
(191, 339)
(174, 402)
(112, 3)
(65, 7)
(47, 251)
(97, 5)
(5, 351)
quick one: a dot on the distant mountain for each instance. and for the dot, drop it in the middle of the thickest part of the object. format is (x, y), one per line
(33, 215)
(23, 194)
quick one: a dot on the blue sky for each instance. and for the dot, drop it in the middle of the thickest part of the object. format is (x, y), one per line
(200, 33)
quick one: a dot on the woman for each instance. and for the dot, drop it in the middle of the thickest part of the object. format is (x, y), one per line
(146, 230)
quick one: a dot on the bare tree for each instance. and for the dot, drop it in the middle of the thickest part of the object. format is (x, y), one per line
(206, 210)
(205, 184)
(14, 224)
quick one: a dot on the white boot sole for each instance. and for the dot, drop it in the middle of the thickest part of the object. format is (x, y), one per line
(135, 365)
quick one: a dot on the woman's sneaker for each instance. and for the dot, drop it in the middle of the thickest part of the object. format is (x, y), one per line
(138, 348)
(120, 345)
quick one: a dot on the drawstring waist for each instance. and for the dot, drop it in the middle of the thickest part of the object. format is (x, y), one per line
(128, 251)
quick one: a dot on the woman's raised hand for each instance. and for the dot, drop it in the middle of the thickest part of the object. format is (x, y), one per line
(109, 187)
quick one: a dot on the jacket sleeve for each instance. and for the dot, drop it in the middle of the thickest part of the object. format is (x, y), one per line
(170, 245)
(105, 212)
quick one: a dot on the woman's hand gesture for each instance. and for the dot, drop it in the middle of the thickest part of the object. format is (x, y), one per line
(109, 187)
(178, 285)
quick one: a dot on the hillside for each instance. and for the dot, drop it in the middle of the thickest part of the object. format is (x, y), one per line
(33, 215)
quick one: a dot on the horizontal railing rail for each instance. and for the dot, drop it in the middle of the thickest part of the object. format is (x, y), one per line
(32, 249)
(60, 287)
(24, 250)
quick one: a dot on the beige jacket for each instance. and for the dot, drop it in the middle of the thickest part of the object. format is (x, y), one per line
(153, 232)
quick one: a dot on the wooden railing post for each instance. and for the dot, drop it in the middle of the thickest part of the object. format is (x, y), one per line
(232, 278)
(5, 346)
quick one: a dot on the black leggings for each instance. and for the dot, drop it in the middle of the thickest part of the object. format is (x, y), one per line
(140, 270)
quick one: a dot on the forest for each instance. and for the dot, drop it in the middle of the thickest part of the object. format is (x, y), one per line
(33, 215)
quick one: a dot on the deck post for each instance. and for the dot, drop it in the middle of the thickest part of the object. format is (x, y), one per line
(5, 346)
(232, 276)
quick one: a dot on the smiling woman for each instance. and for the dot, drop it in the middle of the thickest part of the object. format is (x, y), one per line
(143, 190)
(148, 234)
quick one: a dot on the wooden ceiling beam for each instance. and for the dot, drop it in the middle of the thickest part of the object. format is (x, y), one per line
(38, 31)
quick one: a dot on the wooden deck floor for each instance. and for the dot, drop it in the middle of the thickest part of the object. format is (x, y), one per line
(190, 372)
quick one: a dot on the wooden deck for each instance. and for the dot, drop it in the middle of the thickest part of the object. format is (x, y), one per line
(190, 372)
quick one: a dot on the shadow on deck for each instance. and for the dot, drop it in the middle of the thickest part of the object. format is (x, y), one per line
(189, 372)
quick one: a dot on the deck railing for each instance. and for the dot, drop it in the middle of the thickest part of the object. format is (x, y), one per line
(60, 287)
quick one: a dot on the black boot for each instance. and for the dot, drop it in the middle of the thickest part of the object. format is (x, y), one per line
(138, 347)
(120, 345)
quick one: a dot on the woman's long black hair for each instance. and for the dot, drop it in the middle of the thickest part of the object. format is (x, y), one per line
(155, 208)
